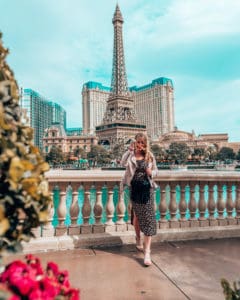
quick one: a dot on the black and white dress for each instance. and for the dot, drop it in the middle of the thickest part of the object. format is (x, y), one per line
(142, 200)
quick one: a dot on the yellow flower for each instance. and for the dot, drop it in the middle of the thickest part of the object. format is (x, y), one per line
(16, 169)
(4, 225)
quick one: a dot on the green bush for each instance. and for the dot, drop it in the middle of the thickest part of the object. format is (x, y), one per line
(24, 196)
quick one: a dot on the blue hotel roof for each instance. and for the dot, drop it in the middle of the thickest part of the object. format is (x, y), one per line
(161, 80)
(94, 85)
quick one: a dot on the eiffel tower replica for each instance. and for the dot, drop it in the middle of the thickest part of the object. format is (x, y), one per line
(120, 124)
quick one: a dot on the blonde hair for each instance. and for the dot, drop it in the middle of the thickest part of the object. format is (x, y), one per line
(148, 156)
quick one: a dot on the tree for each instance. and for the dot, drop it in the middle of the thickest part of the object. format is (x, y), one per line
(79, 152)
(211, 153)
(55, 156)
(98, 155)
(24, 196)
(178, 152)
(226, 153)
(159, 152)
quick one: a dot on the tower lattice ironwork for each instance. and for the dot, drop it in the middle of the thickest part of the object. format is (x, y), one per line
(119, 121)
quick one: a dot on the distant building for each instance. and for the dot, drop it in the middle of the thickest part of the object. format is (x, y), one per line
(40, 113)
(216, 140)
(153, 105)
(56, 136)
(74, 131)
(94, 103)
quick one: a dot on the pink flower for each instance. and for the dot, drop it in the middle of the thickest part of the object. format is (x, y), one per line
(27, 280)
(52, 269)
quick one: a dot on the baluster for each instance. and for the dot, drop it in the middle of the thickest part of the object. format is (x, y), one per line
(48, 229)
(110, 211)
(98, 227)
(230, 205)
(61, 229)
(121, 207)
(183, 206)
(163, 223)
(86, 212)
(173, 206)
(237, 202)
(155, 200)
(129, 209)
(74, 212)
(202, 206)
(211, 205)
(192, 206)
(221, 205)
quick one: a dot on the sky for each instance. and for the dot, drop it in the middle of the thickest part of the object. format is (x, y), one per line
(58, 45)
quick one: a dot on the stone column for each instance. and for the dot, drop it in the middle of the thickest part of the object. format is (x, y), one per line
(211, 204)
(98, 227)
(121, 208)
(192, 206)
(74, 228)
(203, 222)
(110, 226)
(230, 205)
(86, 212)
(237, 203)
(163, 222)
(61, 229)
(183, 206)
(48, 229)
(221, 205)
(173, 206)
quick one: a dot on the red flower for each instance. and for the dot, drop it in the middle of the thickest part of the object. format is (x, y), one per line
(27, 280)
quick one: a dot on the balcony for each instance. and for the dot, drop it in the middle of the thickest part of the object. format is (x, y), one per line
(89, 210)
(196, 244)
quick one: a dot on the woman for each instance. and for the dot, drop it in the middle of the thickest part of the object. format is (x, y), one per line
(140, 168)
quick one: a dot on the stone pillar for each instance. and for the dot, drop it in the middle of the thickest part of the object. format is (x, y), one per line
(48, 229)
(230, 205)
(163, 223)
(202, 206)
(173, 206)
(74, 228)
(61, 229)
(110, 226)
(237, 202)
(86, 212)
(221, 205)
(211, 204)
(183, 206)
(98, 227)
(121, 208)
(192, 206)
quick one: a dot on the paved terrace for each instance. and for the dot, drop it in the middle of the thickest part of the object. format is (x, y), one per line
(180, 270)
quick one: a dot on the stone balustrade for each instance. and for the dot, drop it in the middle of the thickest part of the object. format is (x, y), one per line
(184, 199)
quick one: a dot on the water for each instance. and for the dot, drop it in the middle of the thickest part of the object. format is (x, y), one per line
(56, 193)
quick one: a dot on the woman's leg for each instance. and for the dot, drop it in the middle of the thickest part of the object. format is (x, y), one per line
(147, 250)
(147, 243)
(136, 226)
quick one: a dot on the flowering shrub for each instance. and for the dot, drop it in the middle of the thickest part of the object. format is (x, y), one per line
(28, 281)
(24, 195)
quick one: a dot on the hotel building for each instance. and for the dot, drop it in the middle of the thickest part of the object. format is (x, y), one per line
(153, 105)
(40, 113)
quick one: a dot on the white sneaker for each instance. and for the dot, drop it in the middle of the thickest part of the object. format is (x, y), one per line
(147, 258)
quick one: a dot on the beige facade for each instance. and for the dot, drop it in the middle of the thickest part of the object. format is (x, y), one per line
(216, 140)
(56, 136)
(94, 103)
(153, 106)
